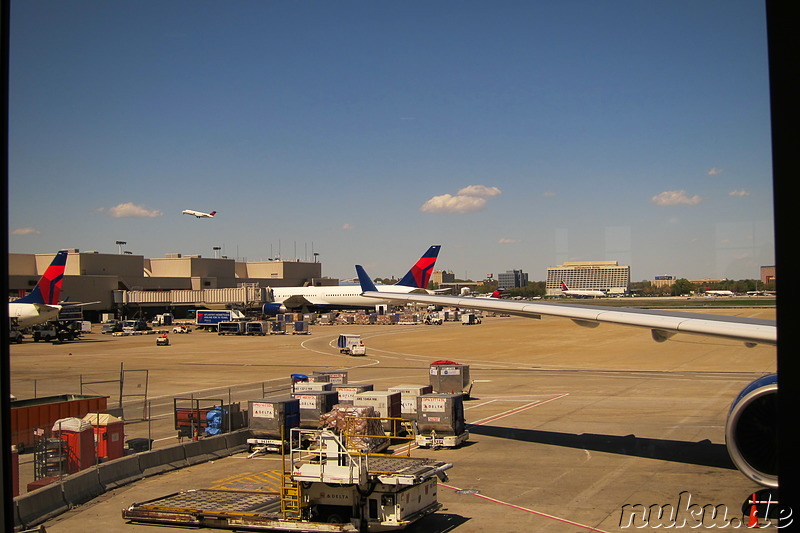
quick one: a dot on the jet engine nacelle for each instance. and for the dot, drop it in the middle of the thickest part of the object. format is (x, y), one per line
(751, 433)
(273, 309)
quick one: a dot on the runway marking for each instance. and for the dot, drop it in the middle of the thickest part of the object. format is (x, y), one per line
(525, 509)
(517, 410)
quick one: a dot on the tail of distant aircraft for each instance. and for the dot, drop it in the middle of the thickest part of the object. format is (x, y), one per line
(48, 290)
(497, 293)
(564, 286)
(420, 273)
(212, 213)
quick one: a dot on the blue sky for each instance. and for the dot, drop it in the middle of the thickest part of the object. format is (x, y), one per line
(516, 134)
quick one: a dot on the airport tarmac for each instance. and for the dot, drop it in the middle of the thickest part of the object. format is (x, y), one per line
(569, 427)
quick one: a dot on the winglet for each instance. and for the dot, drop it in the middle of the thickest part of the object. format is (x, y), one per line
(363, 279)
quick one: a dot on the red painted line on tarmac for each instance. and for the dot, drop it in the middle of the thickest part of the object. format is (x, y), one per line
(516, 410)
(531, 511)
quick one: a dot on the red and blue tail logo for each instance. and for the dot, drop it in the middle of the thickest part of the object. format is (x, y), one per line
(48, 290)
(420, 274)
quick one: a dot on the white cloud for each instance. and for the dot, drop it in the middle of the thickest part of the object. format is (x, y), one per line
(668, 198)
(479, 190)
(739, 193)
(129, 209)
(468, 200)
(506, 240)
(347, 227)
(26, 231)
(715, 171)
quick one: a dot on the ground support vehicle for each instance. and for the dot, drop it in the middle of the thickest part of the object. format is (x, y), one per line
(260, 445)
(162, 341)
(432, 440)
(326, 487)
(210, 318)
(235, 327)
(351, 344)
(15, 336)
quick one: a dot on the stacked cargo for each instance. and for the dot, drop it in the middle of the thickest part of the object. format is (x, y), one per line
(360, 428)
(408, 398)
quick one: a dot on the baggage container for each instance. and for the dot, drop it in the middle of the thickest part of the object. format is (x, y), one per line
(337, 377)
(314, 404)
(386, 404)
(303, 386)
(447, 377)
(347, 392)
(256, 327)
(441, 413)
(277, 327)
(301, 328)
(273, 418)
(408, 398)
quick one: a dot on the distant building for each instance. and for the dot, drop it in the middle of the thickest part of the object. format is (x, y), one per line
(663, 281)
(768, 274)
(95, 277)
(607, 276)
(442, 276)
(512, 278)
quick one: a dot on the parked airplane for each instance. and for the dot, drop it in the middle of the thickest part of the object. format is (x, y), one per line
(199, 214)
(751, 429)
(720, 293)
(42, 303)
(580, 293)
(344, 297)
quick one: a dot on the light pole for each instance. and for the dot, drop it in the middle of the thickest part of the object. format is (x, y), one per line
(120, 244)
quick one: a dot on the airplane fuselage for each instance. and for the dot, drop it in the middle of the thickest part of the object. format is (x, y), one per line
(25, 315)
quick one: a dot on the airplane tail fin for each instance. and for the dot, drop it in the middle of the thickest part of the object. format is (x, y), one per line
(363, 279)
(212, 213)
(420, 274)
(564, 286)
(48, 289)
(497, 293)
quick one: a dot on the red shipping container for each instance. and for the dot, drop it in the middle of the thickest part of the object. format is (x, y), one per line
(27, 415)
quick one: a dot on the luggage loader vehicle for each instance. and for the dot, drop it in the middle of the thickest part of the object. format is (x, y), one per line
(327, 486)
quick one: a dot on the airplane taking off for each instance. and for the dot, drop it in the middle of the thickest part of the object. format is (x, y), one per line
(42, 303)
(344, 297)
(751, 428)
(199, 214)
(580, 293)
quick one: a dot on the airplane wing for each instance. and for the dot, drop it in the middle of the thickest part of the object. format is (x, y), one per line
(662, 324)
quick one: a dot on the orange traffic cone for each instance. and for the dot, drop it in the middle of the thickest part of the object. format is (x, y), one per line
(753, 521)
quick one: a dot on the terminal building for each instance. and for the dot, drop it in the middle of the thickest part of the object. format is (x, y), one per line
(607, 276)
(108, 278)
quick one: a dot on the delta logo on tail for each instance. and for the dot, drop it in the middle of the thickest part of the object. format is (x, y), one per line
(420, 273)
(42, 304)
(48, 290)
